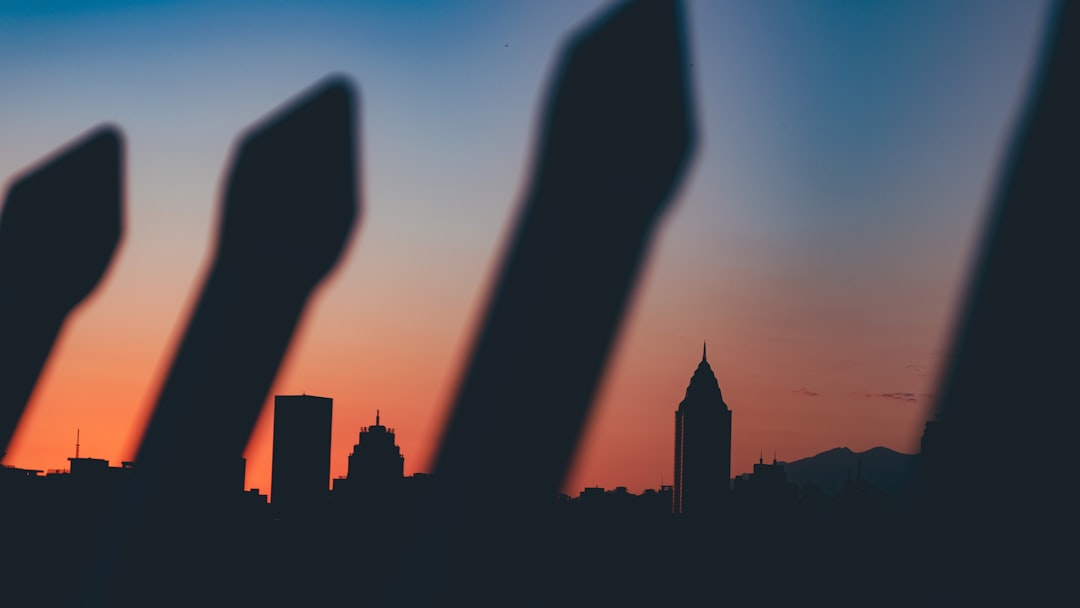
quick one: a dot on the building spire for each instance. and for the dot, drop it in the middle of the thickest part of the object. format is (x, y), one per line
(376, 417)
(703, 348)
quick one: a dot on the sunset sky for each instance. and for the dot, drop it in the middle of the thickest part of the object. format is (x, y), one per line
(819, 243)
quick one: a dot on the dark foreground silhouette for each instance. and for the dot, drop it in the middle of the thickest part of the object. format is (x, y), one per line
(60, 225)
(990, 530)
(289, 210)
(616, 139)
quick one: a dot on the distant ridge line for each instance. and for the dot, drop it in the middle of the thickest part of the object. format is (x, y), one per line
(882, 467)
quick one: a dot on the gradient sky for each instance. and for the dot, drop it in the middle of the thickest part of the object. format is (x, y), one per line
(819, 243)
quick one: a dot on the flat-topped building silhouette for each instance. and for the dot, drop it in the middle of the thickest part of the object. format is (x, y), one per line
(301, 462)
(702, 446)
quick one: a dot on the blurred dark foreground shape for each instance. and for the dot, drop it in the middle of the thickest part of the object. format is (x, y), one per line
(615, 139)
(290, 206)
(997, 508)
(61, 223)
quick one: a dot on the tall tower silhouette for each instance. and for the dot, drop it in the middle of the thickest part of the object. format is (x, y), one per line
(299, 480)
(702, 446)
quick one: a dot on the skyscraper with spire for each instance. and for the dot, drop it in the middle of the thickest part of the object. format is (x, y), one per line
(702, 446)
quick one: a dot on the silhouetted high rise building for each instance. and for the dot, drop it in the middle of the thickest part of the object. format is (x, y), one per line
(376, 468)
(702, 446)
(301, 464)
(376, 459)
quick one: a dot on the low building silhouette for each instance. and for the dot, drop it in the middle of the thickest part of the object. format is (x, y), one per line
(766, 488)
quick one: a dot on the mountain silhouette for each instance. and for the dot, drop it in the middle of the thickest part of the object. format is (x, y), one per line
(884, 468)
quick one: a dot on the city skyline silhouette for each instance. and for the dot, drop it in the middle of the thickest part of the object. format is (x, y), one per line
(383, 446)
(301, 538)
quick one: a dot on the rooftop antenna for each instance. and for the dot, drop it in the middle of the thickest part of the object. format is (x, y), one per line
(376, 417)
(77, 443)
